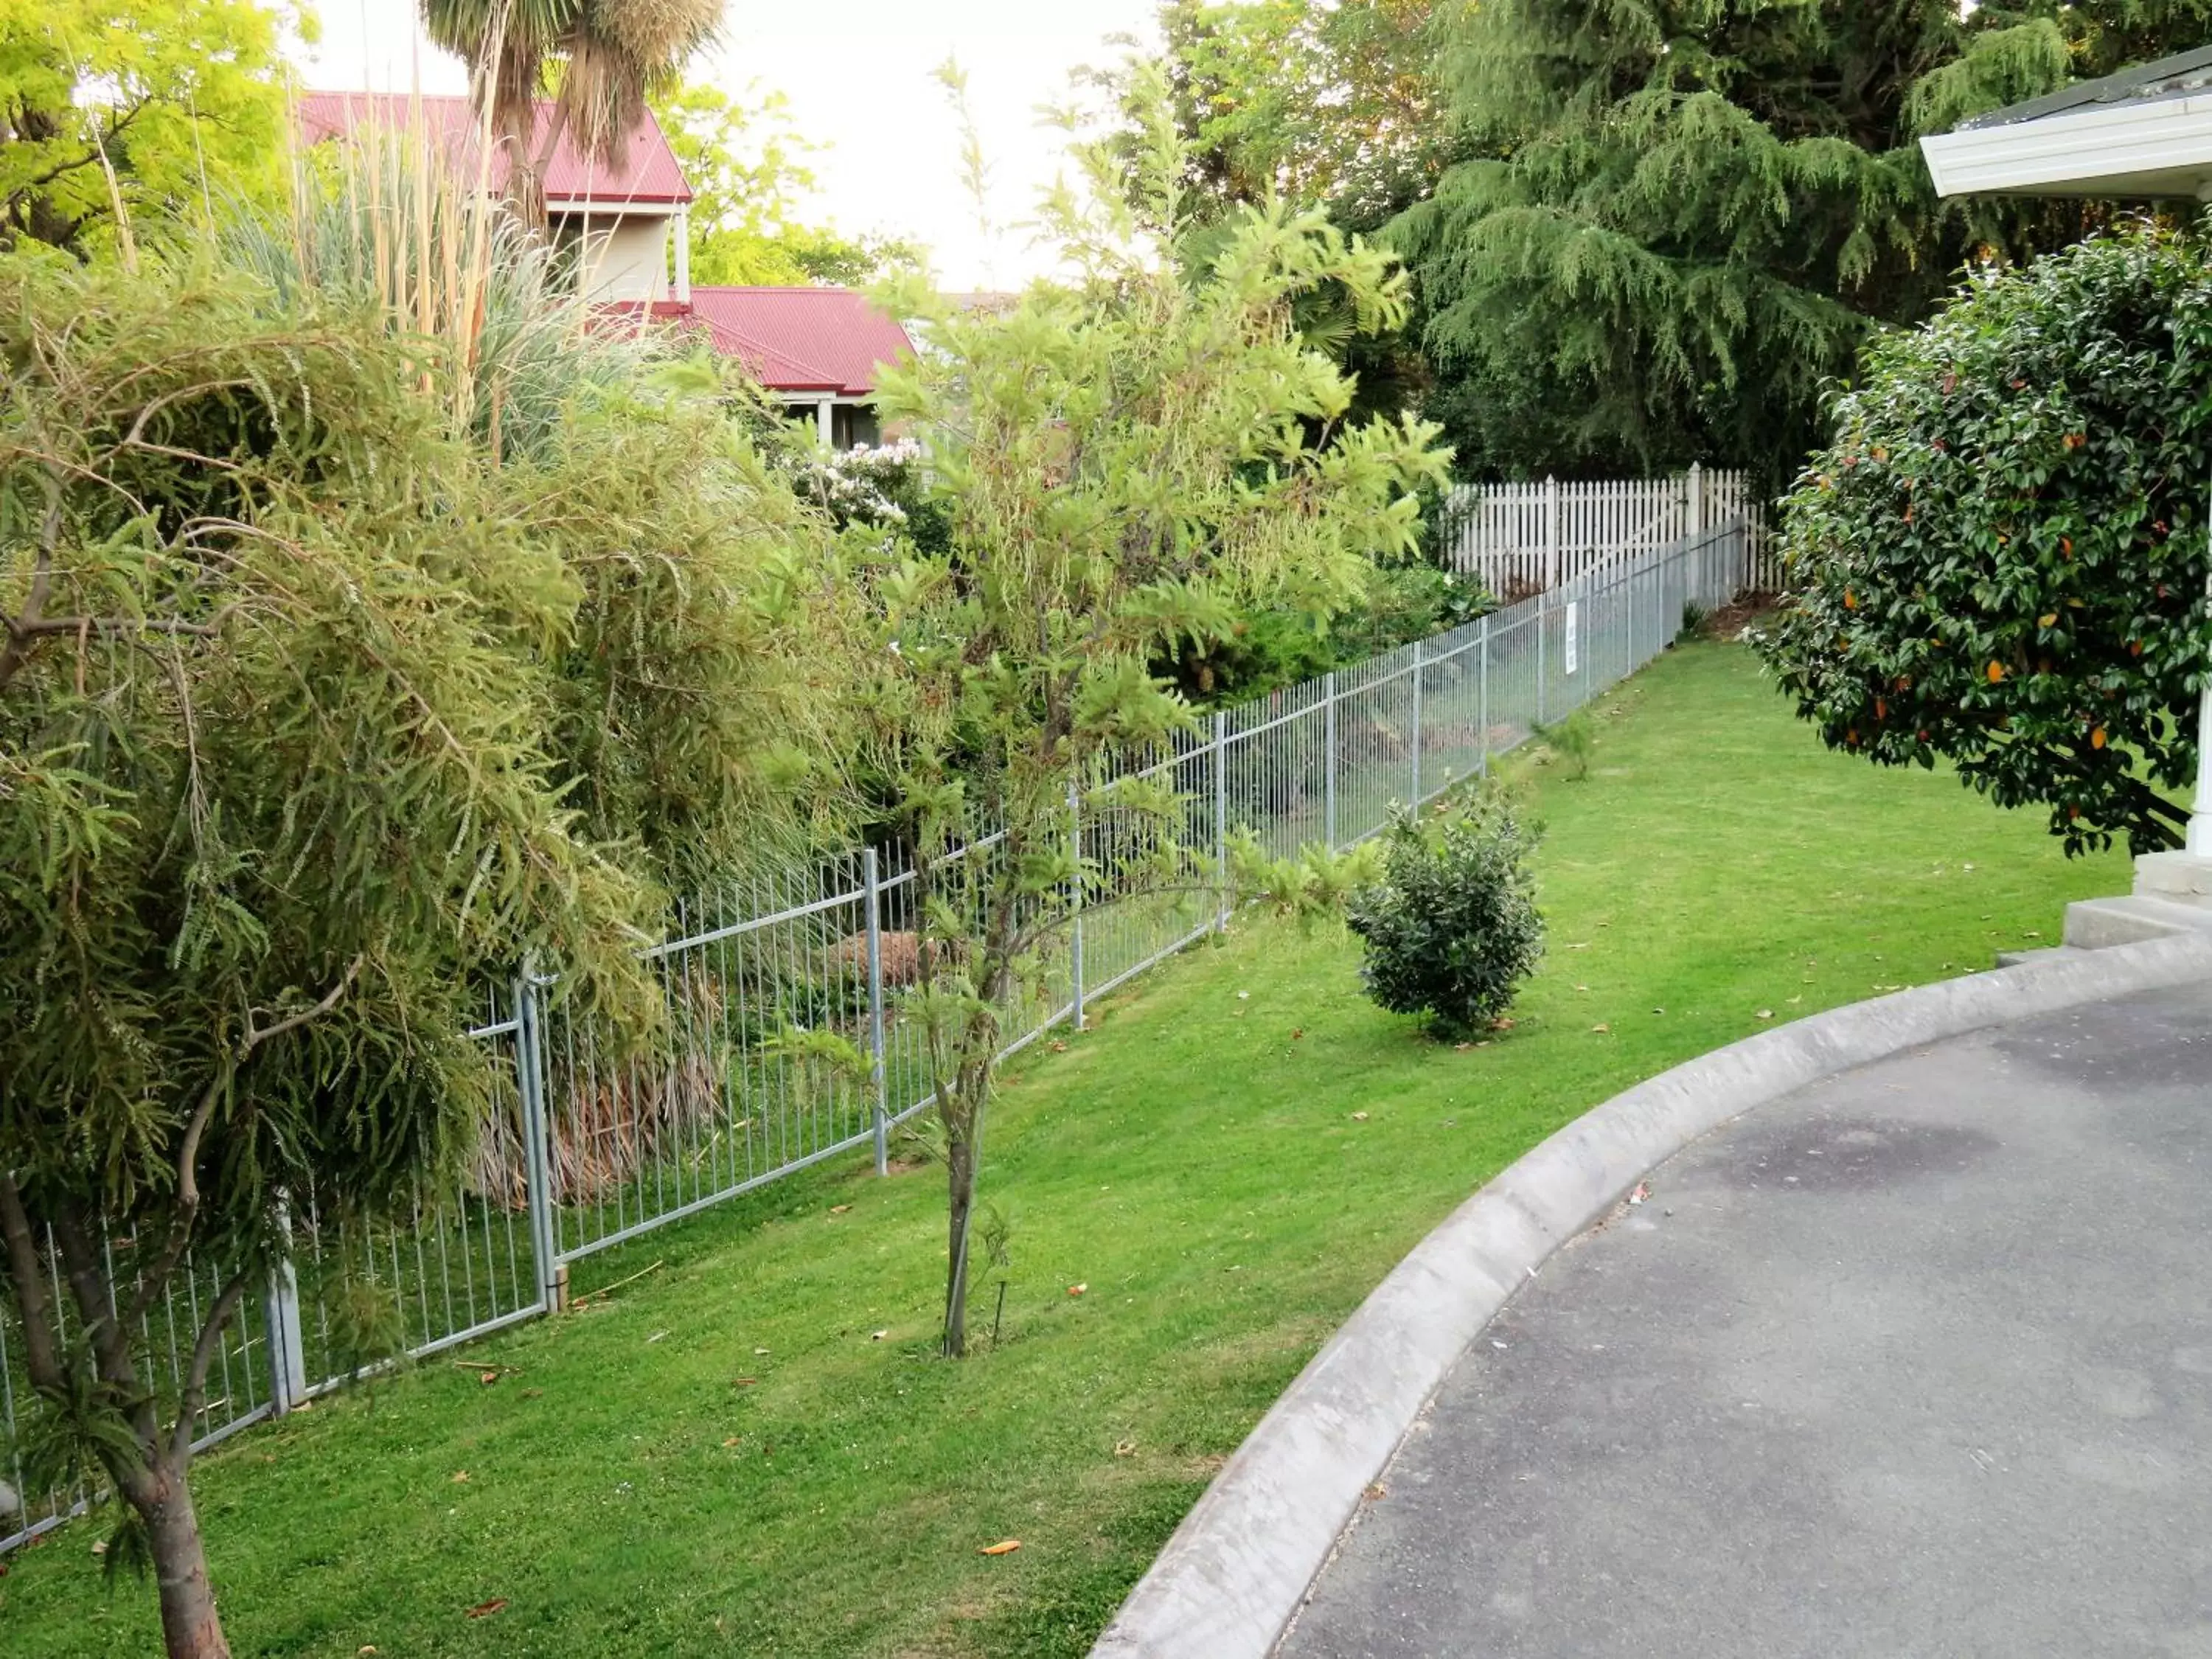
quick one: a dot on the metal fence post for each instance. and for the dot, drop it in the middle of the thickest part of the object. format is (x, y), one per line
(1221, 813)
(874, 911)
(1328, 759)
(1543, 627)
(1418, 672)
(1075, 833)
(530, 1080)
(1482, 693)
(288, 1357)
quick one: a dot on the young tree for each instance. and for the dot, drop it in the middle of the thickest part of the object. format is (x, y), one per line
(1122, 463)
(182, 97)
(1684, 216)
(610, 57)
(2000, 558)
(747, 167)
(316, 711)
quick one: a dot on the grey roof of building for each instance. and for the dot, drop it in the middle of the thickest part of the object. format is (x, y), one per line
(2176, 77)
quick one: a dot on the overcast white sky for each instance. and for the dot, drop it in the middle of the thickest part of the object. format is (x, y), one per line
(857, 73)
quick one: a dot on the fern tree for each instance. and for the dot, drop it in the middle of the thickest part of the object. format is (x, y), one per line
(1685, 216)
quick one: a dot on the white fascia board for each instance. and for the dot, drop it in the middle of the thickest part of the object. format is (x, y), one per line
(2157, 147)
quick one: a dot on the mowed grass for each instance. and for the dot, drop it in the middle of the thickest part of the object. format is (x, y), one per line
(751, 1450)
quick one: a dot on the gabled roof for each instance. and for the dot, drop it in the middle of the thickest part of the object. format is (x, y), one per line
(649, 175)
(825, 340)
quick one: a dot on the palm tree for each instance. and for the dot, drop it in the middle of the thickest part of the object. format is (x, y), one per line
(612, 54)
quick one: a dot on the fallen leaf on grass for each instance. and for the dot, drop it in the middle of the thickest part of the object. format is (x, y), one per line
(838, 1209)
(1125, 1448)
(369, 1648)
(1004, 1546)
(1601, 1027)
(1076, 1290)
(878, 1336)
(460, 1477)
(758, 1352)
(1461, 1048)
(1301, 1030)
(732, 1440)
(1502, 1023)
(485, 1609)
(1766, 1013)
(1360, 1117)
(746, 1382)
(489, 1378)
(654, 1338)
(1059, 1046)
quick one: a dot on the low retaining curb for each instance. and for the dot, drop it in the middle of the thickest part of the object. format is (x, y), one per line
(1237, 1569)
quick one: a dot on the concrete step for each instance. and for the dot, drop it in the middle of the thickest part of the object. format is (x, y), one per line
(2098, 924)
(2046, 953)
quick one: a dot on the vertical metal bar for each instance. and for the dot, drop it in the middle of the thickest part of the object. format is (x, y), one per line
(287, 1363)
(1221, 814)
(1482, 693)
(1543, 603)
(1328, 758)
(530, 1079)
(1418, 672)
(873, 910)
(1075, 950)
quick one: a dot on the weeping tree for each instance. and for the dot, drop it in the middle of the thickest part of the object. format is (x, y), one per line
(314, 715)
(1123, 463)
(600, 60)
(1680, 219)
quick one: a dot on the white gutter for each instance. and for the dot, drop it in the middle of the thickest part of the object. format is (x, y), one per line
(2154, 147)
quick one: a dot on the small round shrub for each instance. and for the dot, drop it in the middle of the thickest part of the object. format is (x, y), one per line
(1451, 930)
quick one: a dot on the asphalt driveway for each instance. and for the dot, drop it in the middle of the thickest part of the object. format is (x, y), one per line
(1917, 1361)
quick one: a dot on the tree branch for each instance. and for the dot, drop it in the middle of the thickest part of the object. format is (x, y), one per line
(95, 1297)
(12, 654)
(195, 1394)
(157, 1274)
(42, 1358)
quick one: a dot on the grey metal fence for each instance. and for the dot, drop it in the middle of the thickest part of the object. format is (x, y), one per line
(590, 1143)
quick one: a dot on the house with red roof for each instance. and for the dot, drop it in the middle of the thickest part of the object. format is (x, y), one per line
(628, 220)
(816, 349)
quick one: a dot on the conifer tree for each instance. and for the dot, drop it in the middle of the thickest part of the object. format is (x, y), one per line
(1683, 217)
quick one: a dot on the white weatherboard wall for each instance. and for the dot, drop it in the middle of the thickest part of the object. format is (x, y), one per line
(627, 256)
(1524, 539)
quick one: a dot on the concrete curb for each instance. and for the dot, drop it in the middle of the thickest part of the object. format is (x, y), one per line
(1237, 1569)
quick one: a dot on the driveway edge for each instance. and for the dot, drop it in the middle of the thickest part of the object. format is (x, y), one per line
(1237, 1569)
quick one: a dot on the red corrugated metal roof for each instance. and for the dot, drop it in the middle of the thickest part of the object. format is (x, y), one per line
(649, 175)
(802, 339)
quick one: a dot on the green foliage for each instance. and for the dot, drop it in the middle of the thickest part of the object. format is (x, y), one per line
(1123, 462)
(1451, 930)
(1570, 742)
(316, 715)
(1682, 217)
(179, 98)
(746, 163)
(1314, 883)
(1323, 105)
(2000, 559)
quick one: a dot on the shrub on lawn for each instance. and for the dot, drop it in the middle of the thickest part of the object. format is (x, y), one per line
(1451, 930)
(2000, 559)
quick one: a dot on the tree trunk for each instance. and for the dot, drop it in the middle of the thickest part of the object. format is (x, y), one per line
(190, 1627)
(960, 1174)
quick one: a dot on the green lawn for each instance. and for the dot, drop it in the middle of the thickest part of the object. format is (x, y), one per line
(752, 1449)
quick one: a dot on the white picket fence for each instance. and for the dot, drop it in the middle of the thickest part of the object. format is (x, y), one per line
(1526, 538)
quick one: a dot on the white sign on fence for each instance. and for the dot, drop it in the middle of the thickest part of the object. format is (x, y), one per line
(1573, 610)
